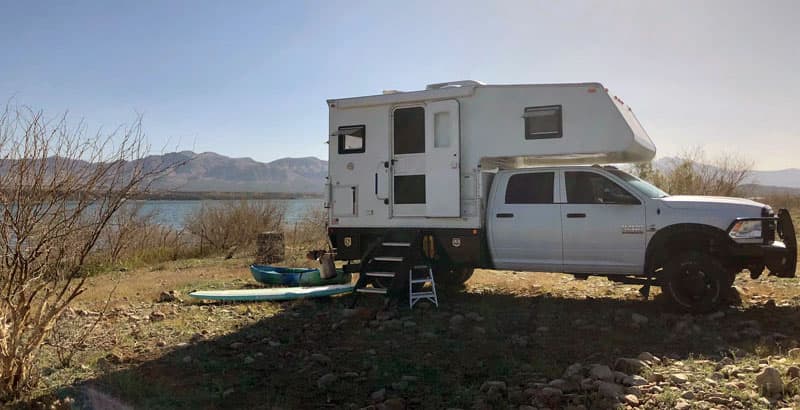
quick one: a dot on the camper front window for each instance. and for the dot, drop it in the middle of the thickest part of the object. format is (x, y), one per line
(542, 122)
(351, 139)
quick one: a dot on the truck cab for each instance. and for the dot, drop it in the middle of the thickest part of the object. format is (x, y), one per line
(593, 220)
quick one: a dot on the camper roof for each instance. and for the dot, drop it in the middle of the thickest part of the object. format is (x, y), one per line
(436, 91)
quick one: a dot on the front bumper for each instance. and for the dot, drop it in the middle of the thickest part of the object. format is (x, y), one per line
(779, 254)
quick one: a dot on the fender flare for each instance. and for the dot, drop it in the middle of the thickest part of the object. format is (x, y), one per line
(659, 246)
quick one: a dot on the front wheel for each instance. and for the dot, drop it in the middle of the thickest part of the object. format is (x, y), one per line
(694, 281)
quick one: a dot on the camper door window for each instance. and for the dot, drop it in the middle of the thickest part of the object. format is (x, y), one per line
(542, 122)
(409, 130)
(351, 139)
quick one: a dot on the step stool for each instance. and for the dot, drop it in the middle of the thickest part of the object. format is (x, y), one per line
(414, 297)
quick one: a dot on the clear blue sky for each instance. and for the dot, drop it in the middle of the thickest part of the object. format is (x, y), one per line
(250, 78)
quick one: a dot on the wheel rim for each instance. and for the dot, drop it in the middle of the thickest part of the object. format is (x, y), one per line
(695, 285)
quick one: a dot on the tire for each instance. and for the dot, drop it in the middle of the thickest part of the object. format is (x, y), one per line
(695, 282)
(452, 276)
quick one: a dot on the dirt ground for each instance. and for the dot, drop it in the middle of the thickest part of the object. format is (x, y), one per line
(506, 340)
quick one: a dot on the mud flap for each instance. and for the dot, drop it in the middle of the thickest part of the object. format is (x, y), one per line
(784, 264)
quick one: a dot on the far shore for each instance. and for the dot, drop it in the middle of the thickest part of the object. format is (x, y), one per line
(188, 195)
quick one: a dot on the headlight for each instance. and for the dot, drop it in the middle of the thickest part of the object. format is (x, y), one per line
(746, 231)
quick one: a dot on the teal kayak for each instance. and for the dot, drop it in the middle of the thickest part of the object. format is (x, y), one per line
(275, 294)
(276, 275)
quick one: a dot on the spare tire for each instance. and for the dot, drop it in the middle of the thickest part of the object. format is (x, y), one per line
(694, 281)
(449, 276)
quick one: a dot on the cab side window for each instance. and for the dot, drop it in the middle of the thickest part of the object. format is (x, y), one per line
(591, 188)
(530, 188)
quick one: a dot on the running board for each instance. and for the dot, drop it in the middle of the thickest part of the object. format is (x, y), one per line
(381, 274)
(372, 290)
(396, 244)
(388, 258)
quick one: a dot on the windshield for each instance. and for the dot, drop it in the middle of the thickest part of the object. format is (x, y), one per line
(643, 187)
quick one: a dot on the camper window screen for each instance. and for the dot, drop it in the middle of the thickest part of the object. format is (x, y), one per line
(409, 130)
(351, 139)
(542, 122)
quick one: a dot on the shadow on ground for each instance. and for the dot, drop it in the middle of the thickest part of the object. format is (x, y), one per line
(445, 354)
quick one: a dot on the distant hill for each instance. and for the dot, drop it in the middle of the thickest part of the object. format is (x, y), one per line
(211, 172)
(786, 178)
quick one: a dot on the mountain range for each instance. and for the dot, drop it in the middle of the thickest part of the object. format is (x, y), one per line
(211, 172)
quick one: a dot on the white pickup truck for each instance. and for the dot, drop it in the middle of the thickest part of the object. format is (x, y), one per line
(593, 220)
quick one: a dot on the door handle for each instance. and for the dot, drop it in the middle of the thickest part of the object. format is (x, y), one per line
(505, 215)
(576, 215)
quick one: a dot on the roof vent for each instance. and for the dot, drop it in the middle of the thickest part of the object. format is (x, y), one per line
(385, 92)
(462, 83)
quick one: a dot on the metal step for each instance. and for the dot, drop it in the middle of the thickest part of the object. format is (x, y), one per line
(372, 290)
(381, 274)
(396, 244)
(422, 295)
(426, 280)
(418, 267)
(388, 258)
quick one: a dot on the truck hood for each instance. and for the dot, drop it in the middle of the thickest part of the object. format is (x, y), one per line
(707, 202)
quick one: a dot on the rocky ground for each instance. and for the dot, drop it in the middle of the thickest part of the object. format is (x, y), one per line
(507, 340)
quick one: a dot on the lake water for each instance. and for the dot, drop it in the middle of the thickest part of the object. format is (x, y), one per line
(173, 213)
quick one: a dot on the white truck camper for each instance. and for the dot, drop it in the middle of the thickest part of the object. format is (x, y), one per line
(465, 174)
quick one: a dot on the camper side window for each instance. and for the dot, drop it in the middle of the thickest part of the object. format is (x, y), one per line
(530, 188)
(542, 122)
(351, 139)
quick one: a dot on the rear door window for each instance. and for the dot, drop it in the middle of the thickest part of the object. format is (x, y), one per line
(530, 188)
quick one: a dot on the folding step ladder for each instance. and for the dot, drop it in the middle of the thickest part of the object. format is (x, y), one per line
(427, 278)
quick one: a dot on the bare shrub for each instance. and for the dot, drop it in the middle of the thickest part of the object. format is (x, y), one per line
(224, 225)
(309, 233)
(59, 189)
(133, 237)
(692, 173)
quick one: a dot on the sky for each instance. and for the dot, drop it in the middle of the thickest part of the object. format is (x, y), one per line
(250, 78)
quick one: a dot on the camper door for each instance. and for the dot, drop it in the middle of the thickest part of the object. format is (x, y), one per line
(426, 160)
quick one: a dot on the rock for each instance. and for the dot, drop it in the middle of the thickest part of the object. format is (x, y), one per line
(630, 366)
(410, 379)
(500, 385)
(326, 380)
(409, 324)
(601, 372)
(400, 386)
(187, 359)
(678, 378)
(236, 345)
(634, 380)
(349, 312)
(157, 316)
(394, 404)
(631, 399)
(478, 330)
(161, 343)
(688, 395)
(609, 390)
(639, 319)
(378, 395)
(249, 360)
(384, 315)
(794, 353)
(769, 381)
(573, 371)
(474, 316)
(456, 321)
(716, 315)
(321, 359)
(648, 357)
(682, 405)
(565, 386)
(169, 296)
(228, 392)
(793, 372)
(550, 396)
